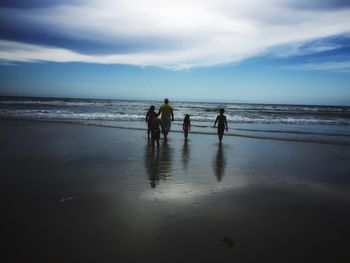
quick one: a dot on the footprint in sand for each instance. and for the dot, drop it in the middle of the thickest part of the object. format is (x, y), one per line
(228, 241)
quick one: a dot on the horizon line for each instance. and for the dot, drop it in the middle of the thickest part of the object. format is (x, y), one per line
(175, 100)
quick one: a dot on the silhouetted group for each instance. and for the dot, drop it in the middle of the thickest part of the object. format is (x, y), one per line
(156, 125)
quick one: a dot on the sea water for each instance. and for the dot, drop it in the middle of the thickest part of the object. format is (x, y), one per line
(313, 123)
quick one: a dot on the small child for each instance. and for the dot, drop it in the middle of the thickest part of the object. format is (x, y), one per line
(186, 126)
(221, 120)
(155, 126)
(151, 114)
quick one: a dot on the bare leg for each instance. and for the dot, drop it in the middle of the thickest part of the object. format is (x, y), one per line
(158, 145)
(153, 144)
(220, 138)
(166, 134)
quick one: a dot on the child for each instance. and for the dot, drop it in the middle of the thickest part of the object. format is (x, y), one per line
(221, 119)
(155, 131)
(186, 126)
(149, 117)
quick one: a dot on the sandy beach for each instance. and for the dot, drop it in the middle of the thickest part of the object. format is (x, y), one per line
(75, 193)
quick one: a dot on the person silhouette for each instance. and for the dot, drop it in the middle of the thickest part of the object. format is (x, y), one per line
(155, 126)
(167, 117)
(222, 123)
(149, 117)
(186, 126)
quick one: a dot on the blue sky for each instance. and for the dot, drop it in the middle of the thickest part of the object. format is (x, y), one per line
(271, 51)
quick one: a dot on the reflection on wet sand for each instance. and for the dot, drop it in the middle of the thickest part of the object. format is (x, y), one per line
(219, 163)
(158, 164)
(152, 165)
(165, 160)
(185, 154)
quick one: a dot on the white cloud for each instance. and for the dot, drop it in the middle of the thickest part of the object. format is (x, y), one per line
(336, 66)
(185, 33)
(299, 49)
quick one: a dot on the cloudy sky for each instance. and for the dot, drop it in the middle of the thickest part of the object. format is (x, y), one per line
(271, 51)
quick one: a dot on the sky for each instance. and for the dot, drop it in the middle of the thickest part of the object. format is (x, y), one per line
(271, 51)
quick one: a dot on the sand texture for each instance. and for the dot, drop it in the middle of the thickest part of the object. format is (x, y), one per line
(74, 193)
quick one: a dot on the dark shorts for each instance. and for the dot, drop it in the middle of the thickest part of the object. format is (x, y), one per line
(155, 135)
(221, 128)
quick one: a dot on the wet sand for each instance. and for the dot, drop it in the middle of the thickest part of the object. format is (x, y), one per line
(73, 193)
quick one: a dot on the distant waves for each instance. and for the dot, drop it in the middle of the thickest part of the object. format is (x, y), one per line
(121, 110)
(281, 122)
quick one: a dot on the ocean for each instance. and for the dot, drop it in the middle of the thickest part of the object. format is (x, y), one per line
(306, 123)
